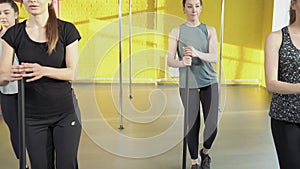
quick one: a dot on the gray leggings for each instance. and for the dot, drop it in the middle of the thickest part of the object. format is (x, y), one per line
(209, 98)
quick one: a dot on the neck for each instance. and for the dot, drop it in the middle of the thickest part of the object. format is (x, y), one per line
(38, 20)
(193, 23)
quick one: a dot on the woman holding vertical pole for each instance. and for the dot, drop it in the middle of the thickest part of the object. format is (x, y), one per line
(197, 47)
(9, 16)
(47, 49)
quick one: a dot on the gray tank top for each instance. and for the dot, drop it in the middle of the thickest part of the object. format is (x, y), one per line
(201, 73)
(286, 106)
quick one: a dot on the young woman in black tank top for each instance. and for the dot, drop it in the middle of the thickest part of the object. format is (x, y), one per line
(282, 68)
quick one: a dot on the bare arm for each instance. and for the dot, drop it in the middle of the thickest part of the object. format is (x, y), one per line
(7, 71)
(272, 46)
(212, 55)
(37, 71)
(171, 57)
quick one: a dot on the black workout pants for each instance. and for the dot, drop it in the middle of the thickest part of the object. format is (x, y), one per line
(209, 98)
(53, 138)
(287, 142)
(9, 105)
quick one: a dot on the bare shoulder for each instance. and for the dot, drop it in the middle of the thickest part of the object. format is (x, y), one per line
(211, 31)
(211, 28)
(175, 33)
(274, 38)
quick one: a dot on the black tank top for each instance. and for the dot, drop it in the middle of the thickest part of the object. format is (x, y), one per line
(286, 107)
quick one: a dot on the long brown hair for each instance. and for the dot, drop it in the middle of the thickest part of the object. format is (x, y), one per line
(51, 29)
(292, 14)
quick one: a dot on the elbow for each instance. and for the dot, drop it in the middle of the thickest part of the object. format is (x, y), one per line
(270, 87)
(215, 60)
(71, 78)
(72, 74)
(169, 63)
(3, 81)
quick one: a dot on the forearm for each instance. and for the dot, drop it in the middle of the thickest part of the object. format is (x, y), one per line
(283, 87)
(208, 57)
(59, 73)
(172, 62)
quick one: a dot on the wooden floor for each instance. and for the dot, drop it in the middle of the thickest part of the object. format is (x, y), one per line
(153, 131)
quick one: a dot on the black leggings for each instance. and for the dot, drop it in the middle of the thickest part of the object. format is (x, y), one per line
(59, 134)
(9, 105)
(287, 142)
(209, 97)
(54, 139)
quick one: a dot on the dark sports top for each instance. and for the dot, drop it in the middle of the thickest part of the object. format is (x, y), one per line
(44, 97)
(286, 107)
(202, 73)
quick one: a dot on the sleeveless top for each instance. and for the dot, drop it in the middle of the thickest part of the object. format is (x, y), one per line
(201, 73)
(286, 107)
(11, 87)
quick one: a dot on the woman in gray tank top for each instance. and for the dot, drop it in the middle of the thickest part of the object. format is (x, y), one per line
(282, 68)
(197, 48)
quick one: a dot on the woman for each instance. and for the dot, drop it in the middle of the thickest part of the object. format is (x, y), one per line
(9, 13)
(282, 67)
(197, 47)
(47, 49)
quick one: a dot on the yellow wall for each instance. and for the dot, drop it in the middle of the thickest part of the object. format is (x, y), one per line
(246, 25)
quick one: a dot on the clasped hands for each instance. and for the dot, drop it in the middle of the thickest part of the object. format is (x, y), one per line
(31, 71)
(188, 53)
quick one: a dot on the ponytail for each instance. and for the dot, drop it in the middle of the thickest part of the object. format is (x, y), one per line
(52, 29)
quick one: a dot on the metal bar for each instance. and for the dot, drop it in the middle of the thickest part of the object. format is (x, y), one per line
(120, 64)
(221, 42)
(58, 8)
(130, 50)
(186, 112)
(21, 119)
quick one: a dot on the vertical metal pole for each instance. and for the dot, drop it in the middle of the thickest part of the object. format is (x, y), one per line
(221, 41)
(186, 113)
(130, 49)
(58, 8)
(21, 116)
(120, 64)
